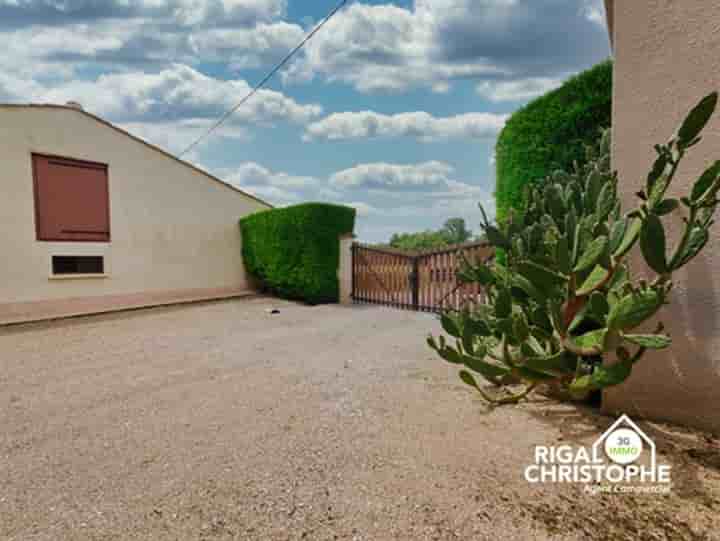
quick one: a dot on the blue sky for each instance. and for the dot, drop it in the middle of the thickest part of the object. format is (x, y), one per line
(393, 108)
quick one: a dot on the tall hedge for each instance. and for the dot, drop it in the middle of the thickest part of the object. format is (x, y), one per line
(550, 133)
(294, 251)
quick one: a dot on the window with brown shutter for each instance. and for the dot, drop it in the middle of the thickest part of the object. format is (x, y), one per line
(71, 200)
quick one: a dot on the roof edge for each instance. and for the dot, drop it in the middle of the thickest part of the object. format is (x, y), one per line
(610, 18)
(136, 138)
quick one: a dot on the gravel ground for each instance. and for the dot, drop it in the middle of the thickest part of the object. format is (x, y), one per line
(221, 421)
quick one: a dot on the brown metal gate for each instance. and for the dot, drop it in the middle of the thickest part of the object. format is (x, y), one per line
(424, 281)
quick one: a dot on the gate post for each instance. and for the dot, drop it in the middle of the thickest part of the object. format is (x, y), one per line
(345, 268)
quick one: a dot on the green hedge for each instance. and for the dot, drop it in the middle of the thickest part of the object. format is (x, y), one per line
(550, 133)
(294, 251)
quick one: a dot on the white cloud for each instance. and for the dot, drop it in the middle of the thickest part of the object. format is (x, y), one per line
(594, 10)
(176, 92)
(246, 47)
(363, 209)
(382, 48)
(387, 176)
(434, 42)
(126, 34)
(254, 174)
(421, 125)
(186, 12)
(519, 90)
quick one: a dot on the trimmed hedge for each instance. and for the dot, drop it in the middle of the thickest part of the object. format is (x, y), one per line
(550, 133)
(294, 251)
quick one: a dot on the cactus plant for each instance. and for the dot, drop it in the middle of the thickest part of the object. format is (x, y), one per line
(564, 307)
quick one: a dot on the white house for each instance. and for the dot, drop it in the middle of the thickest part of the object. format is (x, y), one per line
(93, 219)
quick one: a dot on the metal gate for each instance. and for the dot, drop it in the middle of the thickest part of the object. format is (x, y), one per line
(425, 281)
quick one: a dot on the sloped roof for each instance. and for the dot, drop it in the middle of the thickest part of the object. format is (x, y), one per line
(134, 137)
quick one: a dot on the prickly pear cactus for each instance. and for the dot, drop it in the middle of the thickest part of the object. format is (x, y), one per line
(564, 307)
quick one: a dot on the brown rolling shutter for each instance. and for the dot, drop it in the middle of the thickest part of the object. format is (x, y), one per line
(71, 200)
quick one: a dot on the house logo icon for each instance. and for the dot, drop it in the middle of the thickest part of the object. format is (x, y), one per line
(623, 443)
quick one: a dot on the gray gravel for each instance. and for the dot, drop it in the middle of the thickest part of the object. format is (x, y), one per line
(223, 421)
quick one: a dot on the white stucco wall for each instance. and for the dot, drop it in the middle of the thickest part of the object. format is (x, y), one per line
(667, 56)
(174, 230)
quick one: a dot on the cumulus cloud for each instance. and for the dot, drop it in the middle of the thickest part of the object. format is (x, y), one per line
(389, 203)
(421, 125)
(137, 34)
(519, 90)
(388, 176)
(433, 42)
(176, 92)
(254, 174)
(169, 108)
(187, 12)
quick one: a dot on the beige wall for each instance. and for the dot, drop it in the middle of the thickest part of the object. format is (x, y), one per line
(174, 230)
(667, 56)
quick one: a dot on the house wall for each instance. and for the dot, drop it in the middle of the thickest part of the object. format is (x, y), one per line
(667, 57)
(174, 231)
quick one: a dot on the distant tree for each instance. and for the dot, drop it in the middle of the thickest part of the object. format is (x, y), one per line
(453, 232)
(424, 240)
(456, 231)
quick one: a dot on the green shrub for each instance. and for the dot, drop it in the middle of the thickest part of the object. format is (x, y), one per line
(550, 133)
(566, 308)
(294, 251)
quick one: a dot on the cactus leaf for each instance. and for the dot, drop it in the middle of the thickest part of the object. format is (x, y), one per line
(525, 285)
(520, 328)
(484, 368)
(606, 202)
(562, 254)
(533, 375)
(581, 384)
(666, 206)
(656, 172)
(705, 182)
(468, 379)
(697, 119)
(558, 364)
(591, 254)
(631, 310)
(495, 237)
(632, 232)
(616, 234)
(652, 244)
(608, 376)
(595, 279)
(590, 343)
(503, 304)
(650, 341)
(449, 325)
(539, 275)
(449, 354)
(599, 307)
(697, 240)
(570, 225)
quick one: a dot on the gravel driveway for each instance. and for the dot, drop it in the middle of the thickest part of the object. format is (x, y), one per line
(222, 421)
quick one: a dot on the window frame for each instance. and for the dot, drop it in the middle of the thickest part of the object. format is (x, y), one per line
(69, 162)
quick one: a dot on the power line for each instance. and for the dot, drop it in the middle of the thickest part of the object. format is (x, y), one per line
(262, 83)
